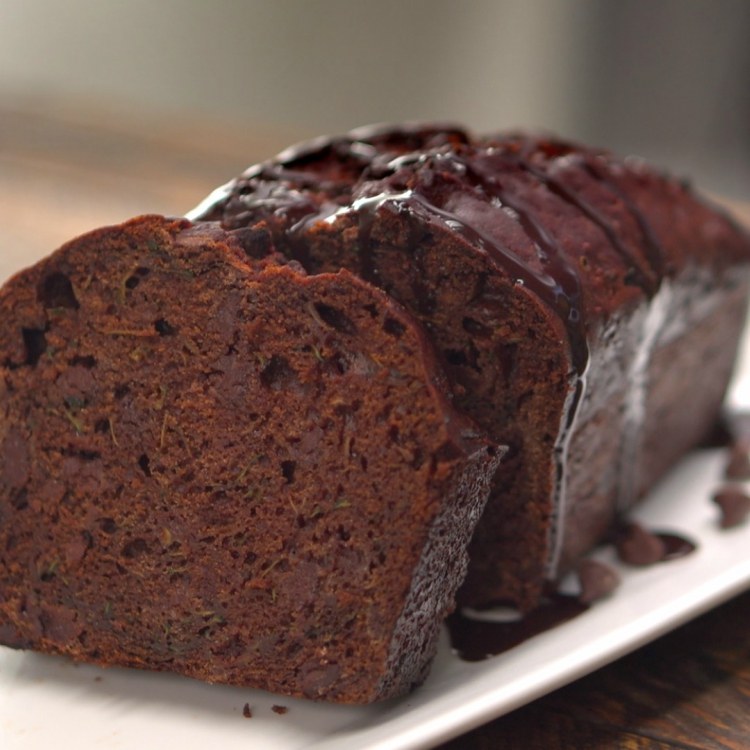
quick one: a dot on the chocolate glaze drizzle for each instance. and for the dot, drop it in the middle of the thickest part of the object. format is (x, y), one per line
(654, 251)
(559, 285)
(651, 280)
(648, 284)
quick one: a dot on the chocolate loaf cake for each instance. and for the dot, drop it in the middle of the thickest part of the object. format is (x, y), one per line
(226, 468)
(587, 310)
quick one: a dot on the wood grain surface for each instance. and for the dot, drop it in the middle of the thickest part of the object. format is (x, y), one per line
(64, 173)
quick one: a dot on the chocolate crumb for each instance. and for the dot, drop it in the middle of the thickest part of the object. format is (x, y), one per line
(247, 711)
(637, 546)
(738, 465)
(597, 581)
(734, 504)
(279, 709)
(97, 679)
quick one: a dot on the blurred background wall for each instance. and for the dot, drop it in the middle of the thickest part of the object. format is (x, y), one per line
(667, 79)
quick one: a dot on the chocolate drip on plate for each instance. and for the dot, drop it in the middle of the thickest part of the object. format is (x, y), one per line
(478, 639)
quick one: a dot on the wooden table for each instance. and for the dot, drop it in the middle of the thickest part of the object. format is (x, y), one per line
(63, 174)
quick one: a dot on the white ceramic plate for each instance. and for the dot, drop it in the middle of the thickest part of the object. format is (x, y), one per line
(51, 702)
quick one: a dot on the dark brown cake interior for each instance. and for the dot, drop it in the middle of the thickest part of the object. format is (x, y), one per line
(241, 474)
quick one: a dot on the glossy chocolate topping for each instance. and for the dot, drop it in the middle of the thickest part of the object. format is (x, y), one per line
(416, 169)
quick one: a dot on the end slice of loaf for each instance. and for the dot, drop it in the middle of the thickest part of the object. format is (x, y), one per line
(227, 469)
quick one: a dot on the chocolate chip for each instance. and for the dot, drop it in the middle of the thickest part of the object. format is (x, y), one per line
(393, 327)
(287, 469)
(279, 709)
(135, 548)
(335, 318)
(278, 374)
(738, 465)
(597, 581)
(637, 546)
(56, 291)
(734, 504)
(145, 463)
(35, 341)
(247, 711)
(164, 328)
